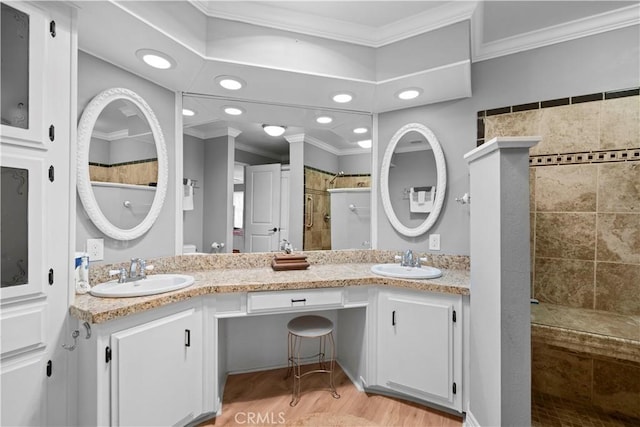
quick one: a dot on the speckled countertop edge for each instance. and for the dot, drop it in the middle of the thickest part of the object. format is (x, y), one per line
(215, 281)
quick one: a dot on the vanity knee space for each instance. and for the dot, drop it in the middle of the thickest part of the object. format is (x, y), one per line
(388, 340)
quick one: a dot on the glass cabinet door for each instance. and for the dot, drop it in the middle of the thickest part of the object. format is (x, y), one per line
(24, 31)
(15, 67)
(14, 244)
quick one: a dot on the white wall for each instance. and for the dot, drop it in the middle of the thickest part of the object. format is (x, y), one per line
(597, 63)
(94, 76)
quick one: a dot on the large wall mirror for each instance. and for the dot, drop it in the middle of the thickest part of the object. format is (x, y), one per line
(337, 155)
(413, 180)
(122, 164)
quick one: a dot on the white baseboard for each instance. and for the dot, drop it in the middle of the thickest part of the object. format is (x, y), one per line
(470, 420)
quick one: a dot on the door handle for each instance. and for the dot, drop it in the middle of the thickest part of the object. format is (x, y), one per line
(274, 229)
(393, 318)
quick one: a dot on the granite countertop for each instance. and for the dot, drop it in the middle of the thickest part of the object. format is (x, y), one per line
(99, 310)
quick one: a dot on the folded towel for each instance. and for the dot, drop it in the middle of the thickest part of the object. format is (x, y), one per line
(187, 200)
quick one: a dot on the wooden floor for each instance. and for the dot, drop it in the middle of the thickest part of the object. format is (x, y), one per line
(262, 398)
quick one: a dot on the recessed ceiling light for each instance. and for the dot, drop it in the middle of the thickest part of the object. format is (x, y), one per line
(360, 130)
(410, 93)
(233, 111)
(156, 59)
(230, 82)
(274, 130)
(342, 97)
(365, 143)
(188, 113)
(323, 120)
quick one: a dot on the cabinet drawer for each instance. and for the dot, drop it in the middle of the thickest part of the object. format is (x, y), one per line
(293, 300)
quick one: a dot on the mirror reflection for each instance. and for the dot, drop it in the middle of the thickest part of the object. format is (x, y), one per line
(412, 179)
(123, 164)
(14, 71)
(282, 182)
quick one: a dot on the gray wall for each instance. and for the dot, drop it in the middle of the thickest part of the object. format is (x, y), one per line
(94, 76)
(355, 163)
(253, 159)
(193, 168)
(318, 158)
(592, 64)
(99, 152)
(218, 192)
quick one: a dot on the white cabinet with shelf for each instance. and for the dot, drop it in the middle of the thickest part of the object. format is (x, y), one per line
(418, 346)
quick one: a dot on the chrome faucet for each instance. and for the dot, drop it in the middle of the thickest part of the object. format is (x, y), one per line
(137, 271)
(409, 259)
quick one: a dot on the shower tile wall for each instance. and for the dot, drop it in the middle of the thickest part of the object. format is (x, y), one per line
(585, 199)
(316, 183)
(142, 172)
(585, 230)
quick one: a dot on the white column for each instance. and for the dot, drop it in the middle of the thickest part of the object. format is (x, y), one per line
(296, 190)
(500, 327)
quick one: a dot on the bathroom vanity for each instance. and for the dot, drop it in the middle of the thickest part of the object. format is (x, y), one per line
(170, 353)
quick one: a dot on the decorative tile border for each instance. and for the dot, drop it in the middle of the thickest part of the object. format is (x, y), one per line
(600, 96)
(621, 155)
(134, 162)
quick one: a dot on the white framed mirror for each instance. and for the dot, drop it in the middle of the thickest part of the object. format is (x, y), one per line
(413, 180)
(132, 202)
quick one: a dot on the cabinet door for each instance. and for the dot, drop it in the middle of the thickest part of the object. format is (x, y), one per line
(416, 346)
(156, 372)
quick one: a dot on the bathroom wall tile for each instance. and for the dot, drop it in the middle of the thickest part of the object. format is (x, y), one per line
(618, 288)
(532, 189)
(564, 282)
(524, 123)
(565, 235)
(566, 188)
(619, 187)
(620, 123)
(560, 373)
(618, 238)
(616, 387)
(569, 129)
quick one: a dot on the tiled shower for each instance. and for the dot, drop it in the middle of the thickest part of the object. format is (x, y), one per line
(585, 234)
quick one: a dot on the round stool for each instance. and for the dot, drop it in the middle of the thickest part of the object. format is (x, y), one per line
(310, 327)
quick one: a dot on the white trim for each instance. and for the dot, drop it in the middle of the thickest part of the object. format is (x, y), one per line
(567, 31)
(299, 137)
(193, 132)
(501, 142)
(470, 420)
(179, 175)
(374, 184)
(217, 133)
(427, 71)
(334, 29)
(322, 145)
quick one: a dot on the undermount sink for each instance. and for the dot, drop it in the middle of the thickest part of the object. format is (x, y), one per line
(153, 284)
(399, 271)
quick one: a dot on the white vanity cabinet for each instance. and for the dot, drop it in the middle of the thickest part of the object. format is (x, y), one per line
(147, 369)
(418, 346)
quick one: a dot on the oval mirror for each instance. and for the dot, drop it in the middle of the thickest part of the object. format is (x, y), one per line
(122, 165)
(413, 180)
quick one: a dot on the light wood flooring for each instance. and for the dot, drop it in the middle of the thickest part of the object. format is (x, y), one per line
(262, 398)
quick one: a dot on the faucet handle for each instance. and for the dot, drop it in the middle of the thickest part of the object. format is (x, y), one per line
(398, 257)
(121, 273)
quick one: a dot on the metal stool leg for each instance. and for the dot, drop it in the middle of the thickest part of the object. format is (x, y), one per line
(289, 355)
(297, 377)
(334, 393)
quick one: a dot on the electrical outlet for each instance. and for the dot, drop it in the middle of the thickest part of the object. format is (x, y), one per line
(434, 242)
(95, 249)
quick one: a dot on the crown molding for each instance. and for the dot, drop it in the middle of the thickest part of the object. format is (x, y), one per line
(264, 15)
(295, 138)
(322, 145)
(225, 131)
(193, 132)
(584, 27)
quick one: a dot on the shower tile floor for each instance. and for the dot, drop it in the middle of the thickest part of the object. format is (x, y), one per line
(553, 411)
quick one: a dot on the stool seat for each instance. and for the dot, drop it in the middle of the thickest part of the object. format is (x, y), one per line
(310, 326)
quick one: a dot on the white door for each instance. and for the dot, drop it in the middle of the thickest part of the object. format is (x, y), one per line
(416, 346)
(262, 208)
(156, 376)
(35, 247)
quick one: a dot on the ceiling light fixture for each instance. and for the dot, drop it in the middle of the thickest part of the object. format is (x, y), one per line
(230, 82)
(156, 59)
(410, 93)
(233, 111)
(365, 143)
(188, 113)
(360, 130)
(274, 130)
(323, 120)
(342, 97)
